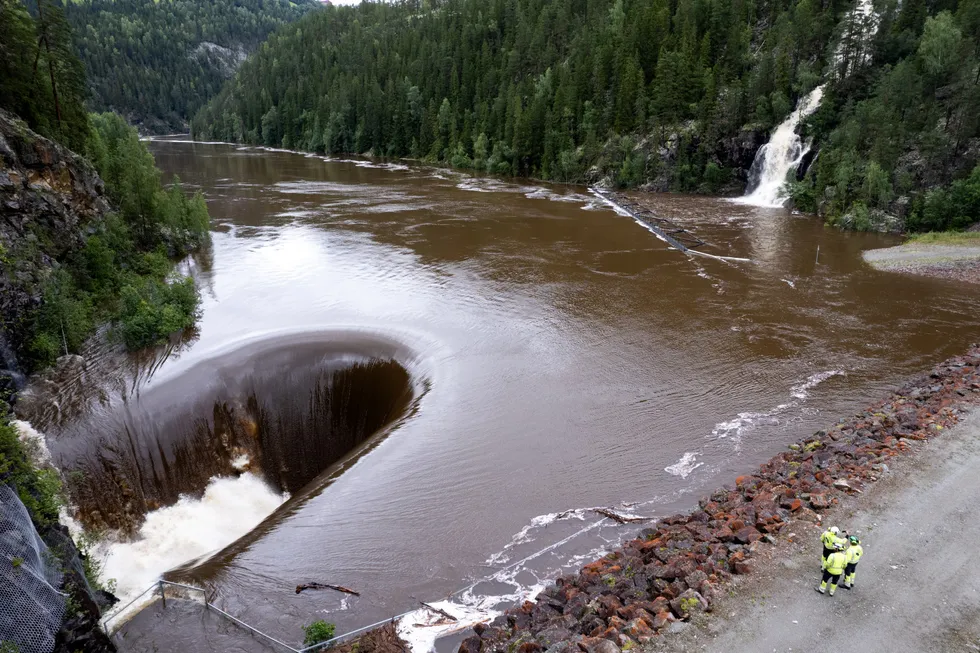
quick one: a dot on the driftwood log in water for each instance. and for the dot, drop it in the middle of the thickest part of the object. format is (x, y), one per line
(437, 610)
(326, 586)
(622, 519)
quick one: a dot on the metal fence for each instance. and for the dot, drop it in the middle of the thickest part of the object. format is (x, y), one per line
(161, 588)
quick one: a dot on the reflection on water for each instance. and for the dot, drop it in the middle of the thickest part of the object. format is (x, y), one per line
(573, 361)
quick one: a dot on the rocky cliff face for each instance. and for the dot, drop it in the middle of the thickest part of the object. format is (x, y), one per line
(49, 196)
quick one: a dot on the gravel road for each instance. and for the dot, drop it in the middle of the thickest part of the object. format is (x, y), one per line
(918, 585)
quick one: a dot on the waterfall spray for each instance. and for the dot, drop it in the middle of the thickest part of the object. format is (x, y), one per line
(780, 155)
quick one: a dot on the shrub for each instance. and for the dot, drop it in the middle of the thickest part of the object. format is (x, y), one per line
(318, 631)
(39, 490)
(152, 310)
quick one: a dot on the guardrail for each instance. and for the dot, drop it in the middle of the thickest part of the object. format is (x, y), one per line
(161, 585)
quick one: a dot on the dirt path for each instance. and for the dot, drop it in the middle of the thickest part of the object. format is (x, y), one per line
(918, 585)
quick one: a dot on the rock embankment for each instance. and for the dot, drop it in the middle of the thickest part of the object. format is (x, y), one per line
(679, 568)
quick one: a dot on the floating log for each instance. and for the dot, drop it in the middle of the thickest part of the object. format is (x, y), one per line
(437, 610)
(622, 519)
(326, 586)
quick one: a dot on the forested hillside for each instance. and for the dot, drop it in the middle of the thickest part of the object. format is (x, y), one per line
(673, 94)
(83, 241)
(157, 62)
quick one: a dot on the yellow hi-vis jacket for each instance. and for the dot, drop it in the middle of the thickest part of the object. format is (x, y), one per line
(829, 539)
(836, 562)
(854, 553)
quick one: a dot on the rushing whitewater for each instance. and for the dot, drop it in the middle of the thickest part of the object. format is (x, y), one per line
(780, 155)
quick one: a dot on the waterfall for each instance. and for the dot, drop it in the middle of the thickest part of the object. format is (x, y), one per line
(780, 155)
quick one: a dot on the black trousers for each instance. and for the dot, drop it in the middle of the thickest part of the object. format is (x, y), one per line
(827, 552)
(833, 578)
(849, 569)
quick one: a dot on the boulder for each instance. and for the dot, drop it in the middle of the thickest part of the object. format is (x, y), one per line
(470, 645)
(689, 604)
(819, 501)
(662, 619)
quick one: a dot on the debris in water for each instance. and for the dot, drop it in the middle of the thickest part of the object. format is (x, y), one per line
(326, 586)
(622, 519)
(438, 611)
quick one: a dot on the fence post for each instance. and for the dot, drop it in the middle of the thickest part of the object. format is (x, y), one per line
(163, 595)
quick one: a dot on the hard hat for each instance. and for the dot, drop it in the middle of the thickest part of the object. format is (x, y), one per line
(839, 546)
(834, 530)
(854, 539)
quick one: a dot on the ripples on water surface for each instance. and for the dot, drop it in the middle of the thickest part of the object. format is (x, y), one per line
(570, 360)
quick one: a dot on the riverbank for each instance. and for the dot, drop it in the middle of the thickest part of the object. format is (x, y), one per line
(945, 255)
(685, 566)
(916, 584)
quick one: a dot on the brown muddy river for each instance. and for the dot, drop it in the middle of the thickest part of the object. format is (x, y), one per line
(487, 360)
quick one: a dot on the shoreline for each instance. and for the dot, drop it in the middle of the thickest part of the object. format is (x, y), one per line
(955, 261)
(678, 570)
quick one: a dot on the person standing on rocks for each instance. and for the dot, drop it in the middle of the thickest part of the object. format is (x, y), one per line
(853, 556)
(833, 568)
(830, 539)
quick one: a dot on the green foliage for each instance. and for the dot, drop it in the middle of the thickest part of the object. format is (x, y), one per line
(121, 273)
(802, 195)
(556, 89)
(39, 490)
(158, 62)
(91, 565)
(903, 125)
(41, 79)
(634, 92)
(318, 631)
(954, 207)
(151, 310)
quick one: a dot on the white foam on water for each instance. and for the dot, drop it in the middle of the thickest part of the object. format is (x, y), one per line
(683, 467)
(420, 629)
(193, 527)
(34, 442)
(789, 282)
(296, 213)
(802, 390)
(524, 535)
(735, 428)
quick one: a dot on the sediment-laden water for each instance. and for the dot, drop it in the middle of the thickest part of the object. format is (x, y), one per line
(444, 373)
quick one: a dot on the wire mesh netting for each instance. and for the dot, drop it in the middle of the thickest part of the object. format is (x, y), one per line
(31, 607)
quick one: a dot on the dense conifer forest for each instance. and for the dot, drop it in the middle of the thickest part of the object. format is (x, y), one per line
(158, 62)
(670, 94)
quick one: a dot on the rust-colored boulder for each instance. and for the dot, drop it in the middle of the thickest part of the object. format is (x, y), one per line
(662, 619)
(747, 535)
(819, 501)
(741, 567)
(639, 630)
(689, 604)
